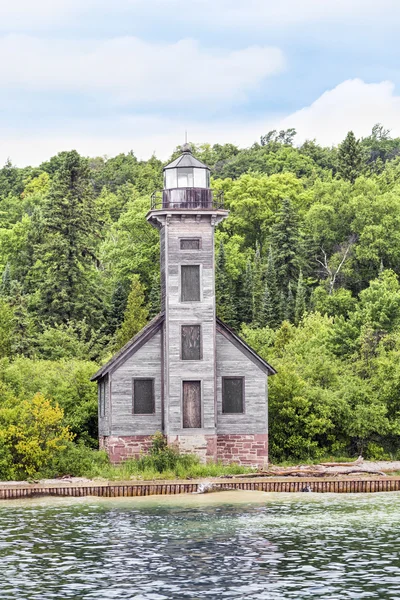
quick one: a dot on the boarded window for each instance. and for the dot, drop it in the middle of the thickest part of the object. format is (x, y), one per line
(190, 244)
(143, 396)
(190, 282)
(232, 395)
(191, 404)
(191, 342)
(102, 398)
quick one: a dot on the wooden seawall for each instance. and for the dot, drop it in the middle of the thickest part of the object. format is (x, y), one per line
(116, 489)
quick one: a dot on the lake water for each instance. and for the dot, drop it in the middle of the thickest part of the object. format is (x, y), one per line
(230, 545)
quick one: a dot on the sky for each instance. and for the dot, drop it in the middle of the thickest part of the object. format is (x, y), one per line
(110, 77)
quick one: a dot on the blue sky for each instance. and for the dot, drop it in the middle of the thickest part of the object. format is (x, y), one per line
(108, 77)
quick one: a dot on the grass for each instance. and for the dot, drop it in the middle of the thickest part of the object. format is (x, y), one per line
(162, 462)
(135, 469)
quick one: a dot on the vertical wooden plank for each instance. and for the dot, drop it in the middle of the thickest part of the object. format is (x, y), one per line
(192, 404)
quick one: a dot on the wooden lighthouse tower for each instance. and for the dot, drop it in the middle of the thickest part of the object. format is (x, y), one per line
(186, 374)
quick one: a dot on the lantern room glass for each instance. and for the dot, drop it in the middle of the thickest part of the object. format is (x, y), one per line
(186, 177)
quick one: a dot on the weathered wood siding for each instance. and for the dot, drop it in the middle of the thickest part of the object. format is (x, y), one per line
(162, 266)
(104, 421)
(179, 313)
(146, 362)
(233, 362)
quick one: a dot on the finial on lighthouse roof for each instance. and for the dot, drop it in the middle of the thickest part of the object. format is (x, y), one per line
(186, 147)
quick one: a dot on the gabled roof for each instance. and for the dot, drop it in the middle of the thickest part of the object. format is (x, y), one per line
(237, 341)
(186, 160)
(131, 347)
(155, 325)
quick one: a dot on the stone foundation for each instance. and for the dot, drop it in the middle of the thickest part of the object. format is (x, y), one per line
(248, 450)
(243, 449)
(205, 446)
(121, 448)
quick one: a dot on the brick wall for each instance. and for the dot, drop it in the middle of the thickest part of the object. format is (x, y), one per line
(120, 448)
(250, 449)
(244, 449)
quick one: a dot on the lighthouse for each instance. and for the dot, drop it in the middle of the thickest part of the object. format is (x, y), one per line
(186, 373)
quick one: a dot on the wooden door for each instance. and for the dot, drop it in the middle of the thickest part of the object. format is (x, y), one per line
(191, 404)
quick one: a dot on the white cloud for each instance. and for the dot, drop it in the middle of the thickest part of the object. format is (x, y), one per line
(352, 105)
(131, 70)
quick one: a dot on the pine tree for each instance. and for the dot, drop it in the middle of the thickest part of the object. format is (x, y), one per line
(224, 290)
(135, 316)
(5, 285)
(119, 300)
(300, 303)
(289, 305)
(246, 295)
(271, 283)
(350, 158)
(155, 295)
(285, 239)
(258, 288)
(64, 273)
(268, 312)
(23, 330)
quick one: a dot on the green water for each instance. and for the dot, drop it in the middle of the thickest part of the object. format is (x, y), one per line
(226, 545)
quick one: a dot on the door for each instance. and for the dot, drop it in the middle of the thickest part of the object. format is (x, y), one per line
(191, 404)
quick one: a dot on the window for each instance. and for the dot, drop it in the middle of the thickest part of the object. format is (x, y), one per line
(102, 398)
(191, 404)
(232, 395)
(143, 396)
(191, 342)
(185, 177)
(201, 178)
(190, 283)
(190, 244)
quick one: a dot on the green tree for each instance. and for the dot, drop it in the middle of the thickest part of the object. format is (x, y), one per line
(224, 289)
(300, 301)
(135, 316)
(350, 158)
(285, 238)
(155, 296)
(65, 275)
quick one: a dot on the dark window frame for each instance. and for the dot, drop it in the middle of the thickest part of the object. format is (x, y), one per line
(152, 379)
(190, 239)
(201, 342)
(243, 411)
(181, 269)
(192, 380)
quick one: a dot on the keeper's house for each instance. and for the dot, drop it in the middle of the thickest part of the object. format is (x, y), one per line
(186, 373)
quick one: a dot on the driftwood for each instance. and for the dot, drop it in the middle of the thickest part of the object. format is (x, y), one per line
(321, 470)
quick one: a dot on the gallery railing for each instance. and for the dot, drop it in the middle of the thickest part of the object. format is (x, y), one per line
(188, 198)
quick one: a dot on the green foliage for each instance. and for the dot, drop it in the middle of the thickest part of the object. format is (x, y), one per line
(307, 268)
(350, 158)
(135, 316)
(31, 434)
(65, 382)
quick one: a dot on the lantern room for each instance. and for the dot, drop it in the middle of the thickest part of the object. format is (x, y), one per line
(186, 172)
(187, 185)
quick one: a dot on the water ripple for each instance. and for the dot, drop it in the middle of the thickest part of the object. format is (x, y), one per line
(261, 547)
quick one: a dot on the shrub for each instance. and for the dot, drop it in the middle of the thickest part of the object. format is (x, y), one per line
(31, 434)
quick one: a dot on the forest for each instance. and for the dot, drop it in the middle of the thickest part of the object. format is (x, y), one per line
(307, 271)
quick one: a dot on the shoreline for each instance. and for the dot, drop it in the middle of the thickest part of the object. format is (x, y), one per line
(112, 489)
